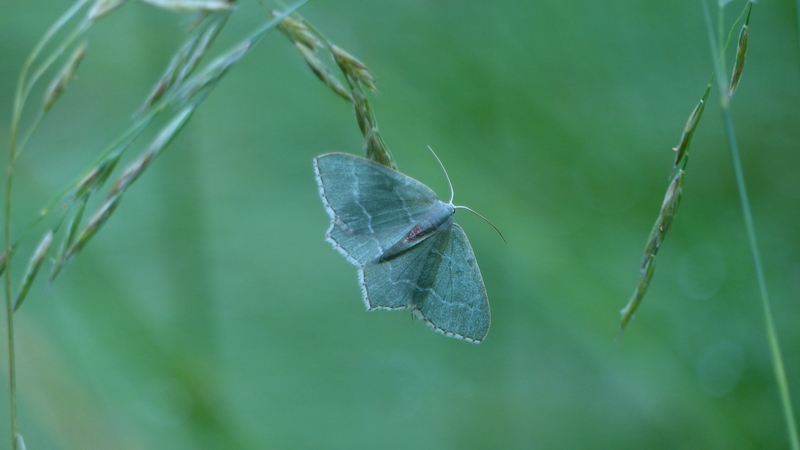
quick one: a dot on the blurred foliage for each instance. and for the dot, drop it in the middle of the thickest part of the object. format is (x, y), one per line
(210, 312)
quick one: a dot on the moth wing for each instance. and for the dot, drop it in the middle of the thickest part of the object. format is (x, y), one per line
(371, 206)
(450, 294)
(392, 284)
(439, 280)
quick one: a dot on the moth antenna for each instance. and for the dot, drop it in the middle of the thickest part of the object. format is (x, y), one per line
(452, 194)
(484, 218)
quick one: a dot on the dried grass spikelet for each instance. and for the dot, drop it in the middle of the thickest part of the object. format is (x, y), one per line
(666, 214)
(321, 71)
(359, 76)
(353, 68)
(215, 70)
(297, 31)
(185, 60)
(69, 238)
(64, 77)
(375, 148)
(682, 149)
(34, 264)
(176, 90)
(192, 5)
(131, 174)
(164, 137)
(308, 41)
(95, 222)
(3, 261)
(98, 175)
(741, 53)
(90, 181)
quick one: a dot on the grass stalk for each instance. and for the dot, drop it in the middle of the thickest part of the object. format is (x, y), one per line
(769, 322)
(725, 105)
(23, 89)
(12, 377)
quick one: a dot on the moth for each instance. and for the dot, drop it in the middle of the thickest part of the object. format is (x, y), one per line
(409, 252)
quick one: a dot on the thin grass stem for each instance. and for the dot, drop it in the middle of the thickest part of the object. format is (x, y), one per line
(772, 335)
(23, 88)
(34, 125)
(797, 11)
(262, 31)
(769, 322)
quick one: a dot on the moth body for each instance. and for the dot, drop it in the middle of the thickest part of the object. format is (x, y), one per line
(439, 218)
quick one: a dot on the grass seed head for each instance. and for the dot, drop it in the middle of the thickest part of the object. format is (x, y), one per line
(97, 220)
(321, 71)
(741, 53)
(131, 174)
(298, 32)
(184, 61)
(376, 150)
(69, 238)
(33, 267)
(64, 77)
(354, 68)
(199, 46)
(192, 5)
(645, 275)
(688, 130)
(671, 201)
(87, 182)
(362, 115)
(162, 139)
(215, 70)
(158, 91)
(666, 215)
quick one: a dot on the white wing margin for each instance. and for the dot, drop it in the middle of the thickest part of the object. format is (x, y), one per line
(451, 296)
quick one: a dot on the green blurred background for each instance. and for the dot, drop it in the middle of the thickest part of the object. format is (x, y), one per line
(210, 312)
